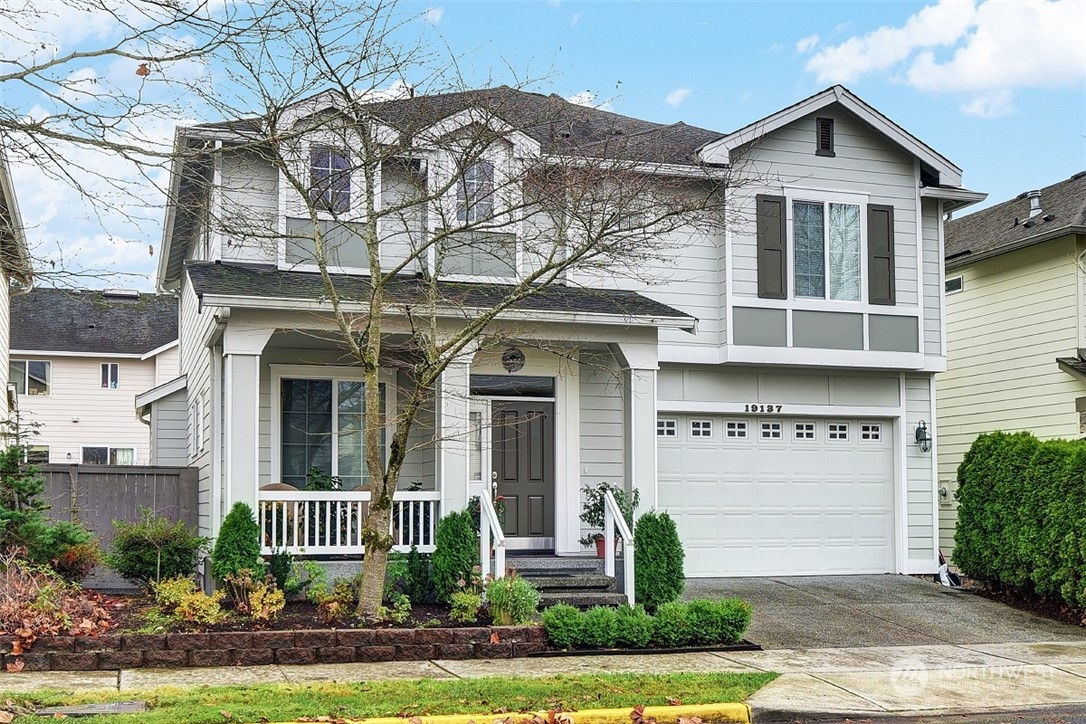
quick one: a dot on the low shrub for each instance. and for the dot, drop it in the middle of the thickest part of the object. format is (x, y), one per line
(658, 565)
(266, 600)
(153, 549)
(280, 565)
(634, 627)
(599, 627)
(396, 608)
(464, 606)
(337, 601)
(672, 625)
(76, 563)
(179, 602)
(456, 553)
(563, 624)
(512, 600)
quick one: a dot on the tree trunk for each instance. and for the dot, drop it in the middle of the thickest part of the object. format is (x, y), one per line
(372, 591)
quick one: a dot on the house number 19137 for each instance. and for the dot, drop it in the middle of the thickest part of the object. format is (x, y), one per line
(763, 408)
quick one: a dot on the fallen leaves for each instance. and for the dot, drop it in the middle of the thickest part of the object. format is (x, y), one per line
(14, 667)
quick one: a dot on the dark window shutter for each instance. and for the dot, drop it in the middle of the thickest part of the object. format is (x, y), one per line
(824, 145)
(880, 254)
(772, 248)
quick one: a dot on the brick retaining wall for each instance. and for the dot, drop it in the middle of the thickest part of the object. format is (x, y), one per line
(331, 646)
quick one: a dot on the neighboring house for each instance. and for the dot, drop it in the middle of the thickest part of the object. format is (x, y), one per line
(15, 274)
(78, 360)
(1016, 326)
(769, 390)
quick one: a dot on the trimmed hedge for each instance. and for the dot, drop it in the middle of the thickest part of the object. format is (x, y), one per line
(1022, 515)
(701, 622)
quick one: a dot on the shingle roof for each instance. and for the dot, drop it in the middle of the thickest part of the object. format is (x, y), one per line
(265, 281)
(1007, 226)
(62, 320)
(556, 124)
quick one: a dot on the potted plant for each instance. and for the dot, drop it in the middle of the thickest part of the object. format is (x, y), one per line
(592, 513)
(512, 600)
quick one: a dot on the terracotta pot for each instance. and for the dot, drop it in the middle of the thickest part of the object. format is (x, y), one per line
(600, 550)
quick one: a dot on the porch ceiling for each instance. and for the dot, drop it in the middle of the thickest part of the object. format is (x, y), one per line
(264, 282)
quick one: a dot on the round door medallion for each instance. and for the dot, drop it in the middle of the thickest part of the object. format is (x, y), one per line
(512, 359)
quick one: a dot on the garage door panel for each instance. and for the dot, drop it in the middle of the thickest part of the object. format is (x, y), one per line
(780, 506)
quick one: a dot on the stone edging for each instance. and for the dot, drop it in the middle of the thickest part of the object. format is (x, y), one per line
(325, 646)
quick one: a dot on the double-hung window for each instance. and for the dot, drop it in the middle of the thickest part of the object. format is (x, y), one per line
(341, 241)
(330, 179)
(478, 252)
(475, 193)
(821, 247)
(322, 424)
(30, 377)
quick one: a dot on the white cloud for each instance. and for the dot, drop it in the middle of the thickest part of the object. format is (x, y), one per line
(677, 96)
(576, 18)
(990, 105)
(584, 98)
(983, 51)
(433, 15)
(805, 45)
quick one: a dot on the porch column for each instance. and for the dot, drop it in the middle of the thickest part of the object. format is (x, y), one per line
(242, 347)
(452, 435)
(639, 406)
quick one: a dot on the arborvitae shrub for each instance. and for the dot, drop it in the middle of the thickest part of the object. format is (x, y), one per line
(658, 560)
(238, 546)
(456, 553)
(420, 582)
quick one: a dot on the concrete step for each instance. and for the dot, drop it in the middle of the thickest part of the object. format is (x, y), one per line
(581, 599)
(524, 564)
(550, 581)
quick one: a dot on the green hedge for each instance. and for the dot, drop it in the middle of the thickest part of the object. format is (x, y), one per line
(1022, 515)
(696, 623)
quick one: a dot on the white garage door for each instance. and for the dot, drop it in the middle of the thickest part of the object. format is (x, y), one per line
(779, 496)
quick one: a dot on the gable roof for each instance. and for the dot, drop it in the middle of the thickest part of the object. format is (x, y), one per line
(720, 151)
(14, 254)
(226, 283)
(91, 322)
(1008, 226)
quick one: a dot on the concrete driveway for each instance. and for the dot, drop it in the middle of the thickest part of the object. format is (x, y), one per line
(848, 611)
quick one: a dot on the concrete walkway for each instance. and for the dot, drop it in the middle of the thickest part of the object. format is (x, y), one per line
(870, 681)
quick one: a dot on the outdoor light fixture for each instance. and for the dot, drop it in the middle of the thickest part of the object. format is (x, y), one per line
(923, 439)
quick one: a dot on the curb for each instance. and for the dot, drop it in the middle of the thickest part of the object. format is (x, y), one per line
(714, 713)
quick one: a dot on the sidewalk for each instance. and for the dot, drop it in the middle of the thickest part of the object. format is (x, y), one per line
(846, 681)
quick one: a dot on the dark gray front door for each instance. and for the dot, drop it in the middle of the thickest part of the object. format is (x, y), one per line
(522, 440)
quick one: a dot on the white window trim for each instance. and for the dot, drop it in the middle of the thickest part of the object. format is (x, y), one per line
(807, 440)
(959, 290)
(762, 430)
(701, 431)
(109, 449)
(673, 429)
(877, 431)
(847, 431)
(741, 426)
(826, 198)
(26, 375)
(109, 373)
(322, 372)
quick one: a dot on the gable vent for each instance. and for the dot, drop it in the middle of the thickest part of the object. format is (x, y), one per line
(825, 136)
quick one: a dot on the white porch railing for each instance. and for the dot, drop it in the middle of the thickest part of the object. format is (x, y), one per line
(307, 522)
(490, 536)
(612, 520)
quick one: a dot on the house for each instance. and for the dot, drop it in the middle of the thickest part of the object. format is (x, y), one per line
(773, 389)
(15, 274)
(78, 359)
(1016, 327)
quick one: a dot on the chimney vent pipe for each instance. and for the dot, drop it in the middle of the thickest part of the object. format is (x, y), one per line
(1034, 202)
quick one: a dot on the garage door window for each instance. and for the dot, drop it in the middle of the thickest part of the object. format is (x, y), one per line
(871, 433)
(838, 431)
(735, 429)
(701, 428)
(771, 431)
(805, 431)
(666, 428)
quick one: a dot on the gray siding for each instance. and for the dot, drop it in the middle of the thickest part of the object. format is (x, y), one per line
(196, 363)
(710, 384)
(920, 487)
(933, 278)
(169, 430)
(249, 194)
(602, 442)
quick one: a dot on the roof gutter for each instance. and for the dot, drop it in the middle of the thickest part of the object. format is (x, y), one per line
(684, 323)
(968, 258)
(953, 199)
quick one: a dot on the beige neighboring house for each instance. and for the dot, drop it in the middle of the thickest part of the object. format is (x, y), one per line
(78, 361)
(15, 273)
(1016, 327)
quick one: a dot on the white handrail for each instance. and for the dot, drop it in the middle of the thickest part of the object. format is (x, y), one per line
(612, 519)
(490, 532)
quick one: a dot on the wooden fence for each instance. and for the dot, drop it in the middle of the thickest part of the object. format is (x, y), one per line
(96, 495)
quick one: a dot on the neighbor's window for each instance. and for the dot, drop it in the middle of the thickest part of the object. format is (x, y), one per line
(330, 179)
(322, 424)
(103, 455)
(827, 250)
(475, 193)
(30, 377)
(110, 375)
(36, 454)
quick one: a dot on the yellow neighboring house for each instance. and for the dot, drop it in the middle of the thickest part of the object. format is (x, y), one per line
(15, 273)
(1015, 325)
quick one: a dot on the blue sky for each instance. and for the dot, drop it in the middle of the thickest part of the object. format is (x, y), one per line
(999, 87)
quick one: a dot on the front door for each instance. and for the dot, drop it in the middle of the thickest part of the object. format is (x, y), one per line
(522, 436)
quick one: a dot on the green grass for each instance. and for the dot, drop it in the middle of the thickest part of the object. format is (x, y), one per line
(412, 697)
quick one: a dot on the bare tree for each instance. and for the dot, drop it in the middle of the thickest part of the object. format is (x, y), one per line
(535, 193)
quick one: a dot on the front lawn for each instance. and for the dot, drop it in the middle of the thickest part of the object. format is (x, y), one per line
(494, 695)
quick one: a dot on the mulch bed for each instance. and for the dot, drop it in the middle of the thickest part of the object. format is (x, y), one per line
(1030, 603)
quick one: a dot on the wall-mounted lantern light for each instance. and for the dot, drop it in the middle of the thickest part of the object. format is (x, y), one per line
(923, 439)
